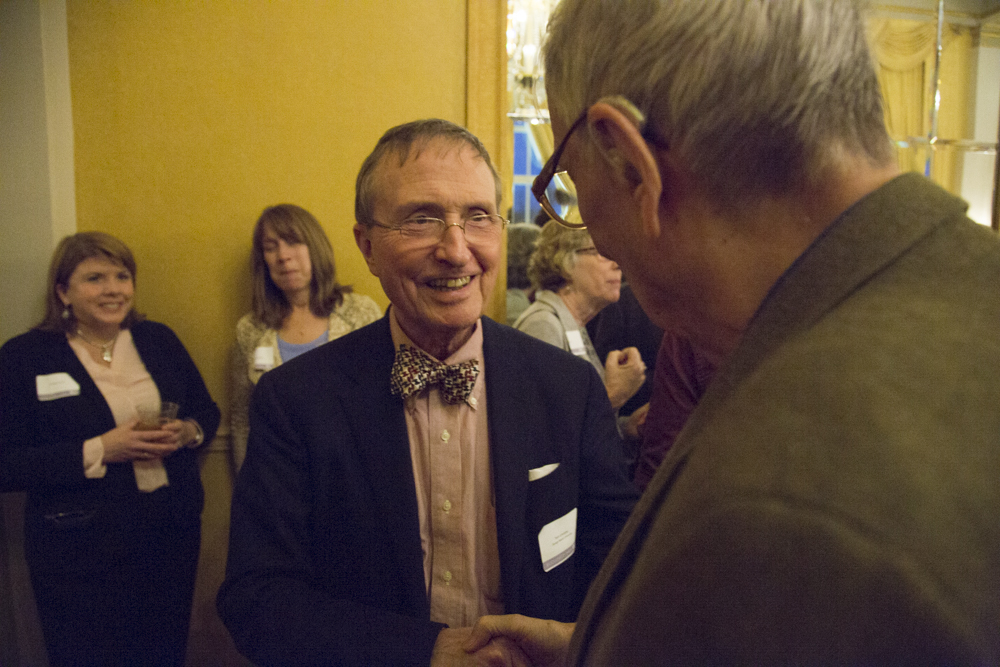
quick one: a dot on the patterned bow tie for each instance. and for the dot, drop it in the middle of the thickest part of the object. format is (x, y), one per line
(413, 370)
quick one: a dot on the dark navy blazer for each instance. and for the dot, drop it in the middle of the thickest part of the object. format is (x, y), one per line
(325, 562)
(41, 445)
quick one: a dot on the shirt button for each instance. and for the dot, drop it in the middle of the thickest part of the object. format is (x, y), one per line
(447, 576)
(446, 506)
(445, 435)
(472, 401)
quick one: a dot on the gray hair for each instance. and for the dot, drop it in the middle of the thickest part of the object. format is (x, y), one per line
(401, 141)
(521, 238)
(756, 96)
(555, 255)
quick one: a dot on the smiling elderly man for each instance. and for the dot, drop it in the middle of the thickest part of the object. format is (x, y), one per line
(432, 467)
(834, 499)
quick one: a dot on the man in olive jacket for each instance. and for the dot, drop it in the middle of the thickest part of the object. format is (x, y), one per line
(834, 497)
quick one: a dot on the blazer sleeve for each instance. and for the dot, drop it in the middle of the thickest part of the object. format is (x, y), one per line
(273, 600)
(34, 453)
(775, 581)
(607, 496)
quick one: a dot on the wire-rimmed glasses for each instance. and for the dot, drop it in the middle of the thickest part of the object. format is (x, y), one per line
(481, 227)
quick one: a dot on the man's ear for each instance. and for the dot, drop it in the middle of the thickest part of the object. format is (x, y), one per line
(616, 134)
(362, 238)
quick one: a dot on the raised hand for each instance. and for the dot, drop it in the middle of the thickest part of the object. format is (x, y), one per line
(624, 373)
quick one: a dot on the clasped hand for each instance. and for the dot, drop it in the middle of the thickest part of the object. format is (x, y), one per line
(505, 641)
(125, 443)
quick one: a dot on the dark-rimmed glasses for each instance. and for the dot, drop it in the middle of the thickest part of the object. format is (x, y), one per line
(541, 183)
(551, 169)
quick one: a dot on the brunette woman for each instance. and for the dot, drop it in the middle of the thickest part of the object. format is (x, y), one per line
(113, 513)
(297, 305)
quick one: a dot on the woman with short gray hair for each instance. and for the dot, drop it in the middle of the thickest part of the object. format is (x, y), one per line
(574, 282)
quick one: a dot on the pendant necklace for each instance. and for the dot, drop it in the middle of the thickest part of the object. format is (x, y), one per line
(105, 348)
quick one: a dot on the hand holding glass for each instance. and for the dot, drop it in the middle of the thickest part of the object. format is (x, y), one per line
(152, 417)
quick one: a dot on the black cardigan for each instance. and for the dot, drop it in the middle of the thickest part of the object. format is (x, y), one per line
(41, 445)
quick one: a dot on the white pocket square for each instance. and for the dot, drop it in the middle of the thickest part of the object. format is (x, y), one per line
(538, 473)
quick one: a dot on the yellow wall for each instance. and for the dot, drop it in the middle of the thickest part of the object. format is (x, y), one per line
(190, 118)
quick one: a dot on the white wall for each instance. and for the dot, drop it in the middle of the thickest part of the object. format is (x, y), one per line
(37, 198)
(978, 170)
(37, 208)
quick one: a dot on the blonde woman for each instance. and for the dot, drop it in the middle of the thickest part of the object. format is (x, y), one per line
(573, 282)
(297, 305)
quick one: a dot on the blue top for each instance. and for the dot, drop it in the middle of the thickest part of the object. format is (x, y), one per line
(289, 351)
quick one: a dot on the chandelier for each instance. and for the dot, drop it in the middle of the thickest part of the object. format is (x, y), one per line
(526, 22)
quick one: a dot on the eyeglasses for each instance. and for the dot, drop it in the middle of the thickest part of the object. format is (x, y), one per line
(551, 169)
(482, 227)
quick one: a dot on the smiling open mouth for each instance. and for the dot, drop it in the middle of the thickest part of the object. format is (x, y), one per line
(450, 283)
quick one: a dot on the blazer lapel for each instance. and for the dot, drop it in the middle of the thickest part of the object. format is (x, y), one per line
(377, 420)
(507, 455)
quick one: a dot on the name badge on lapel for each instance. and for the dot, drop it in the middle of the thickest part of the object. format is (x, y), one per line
(557, 540)
(575, 341)
(56, 385)
(263, 358)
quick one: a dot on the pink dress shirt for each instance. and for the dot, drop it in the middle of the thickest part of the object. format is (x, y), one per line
(449, 446)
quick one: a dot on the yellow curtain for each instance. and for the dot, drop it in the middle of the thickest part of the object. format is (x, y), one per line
(542, 134)
(905, 51)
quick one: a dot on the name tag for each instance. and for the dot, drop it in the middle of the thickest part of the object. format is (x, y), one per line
(575, 341)
(263, 358)
(557, 541)
(56, 385)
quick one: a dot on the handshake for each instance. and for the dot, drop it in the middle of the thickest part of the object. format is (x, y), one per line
(504, 641)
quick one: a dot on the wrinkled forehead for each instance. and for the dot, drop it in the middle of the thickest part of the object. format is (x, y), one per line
(437, 149)
(442, 164)
(440, 146)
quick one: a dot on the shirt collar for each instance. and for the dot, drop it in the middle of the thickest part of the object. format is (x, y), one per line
(472, 349)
